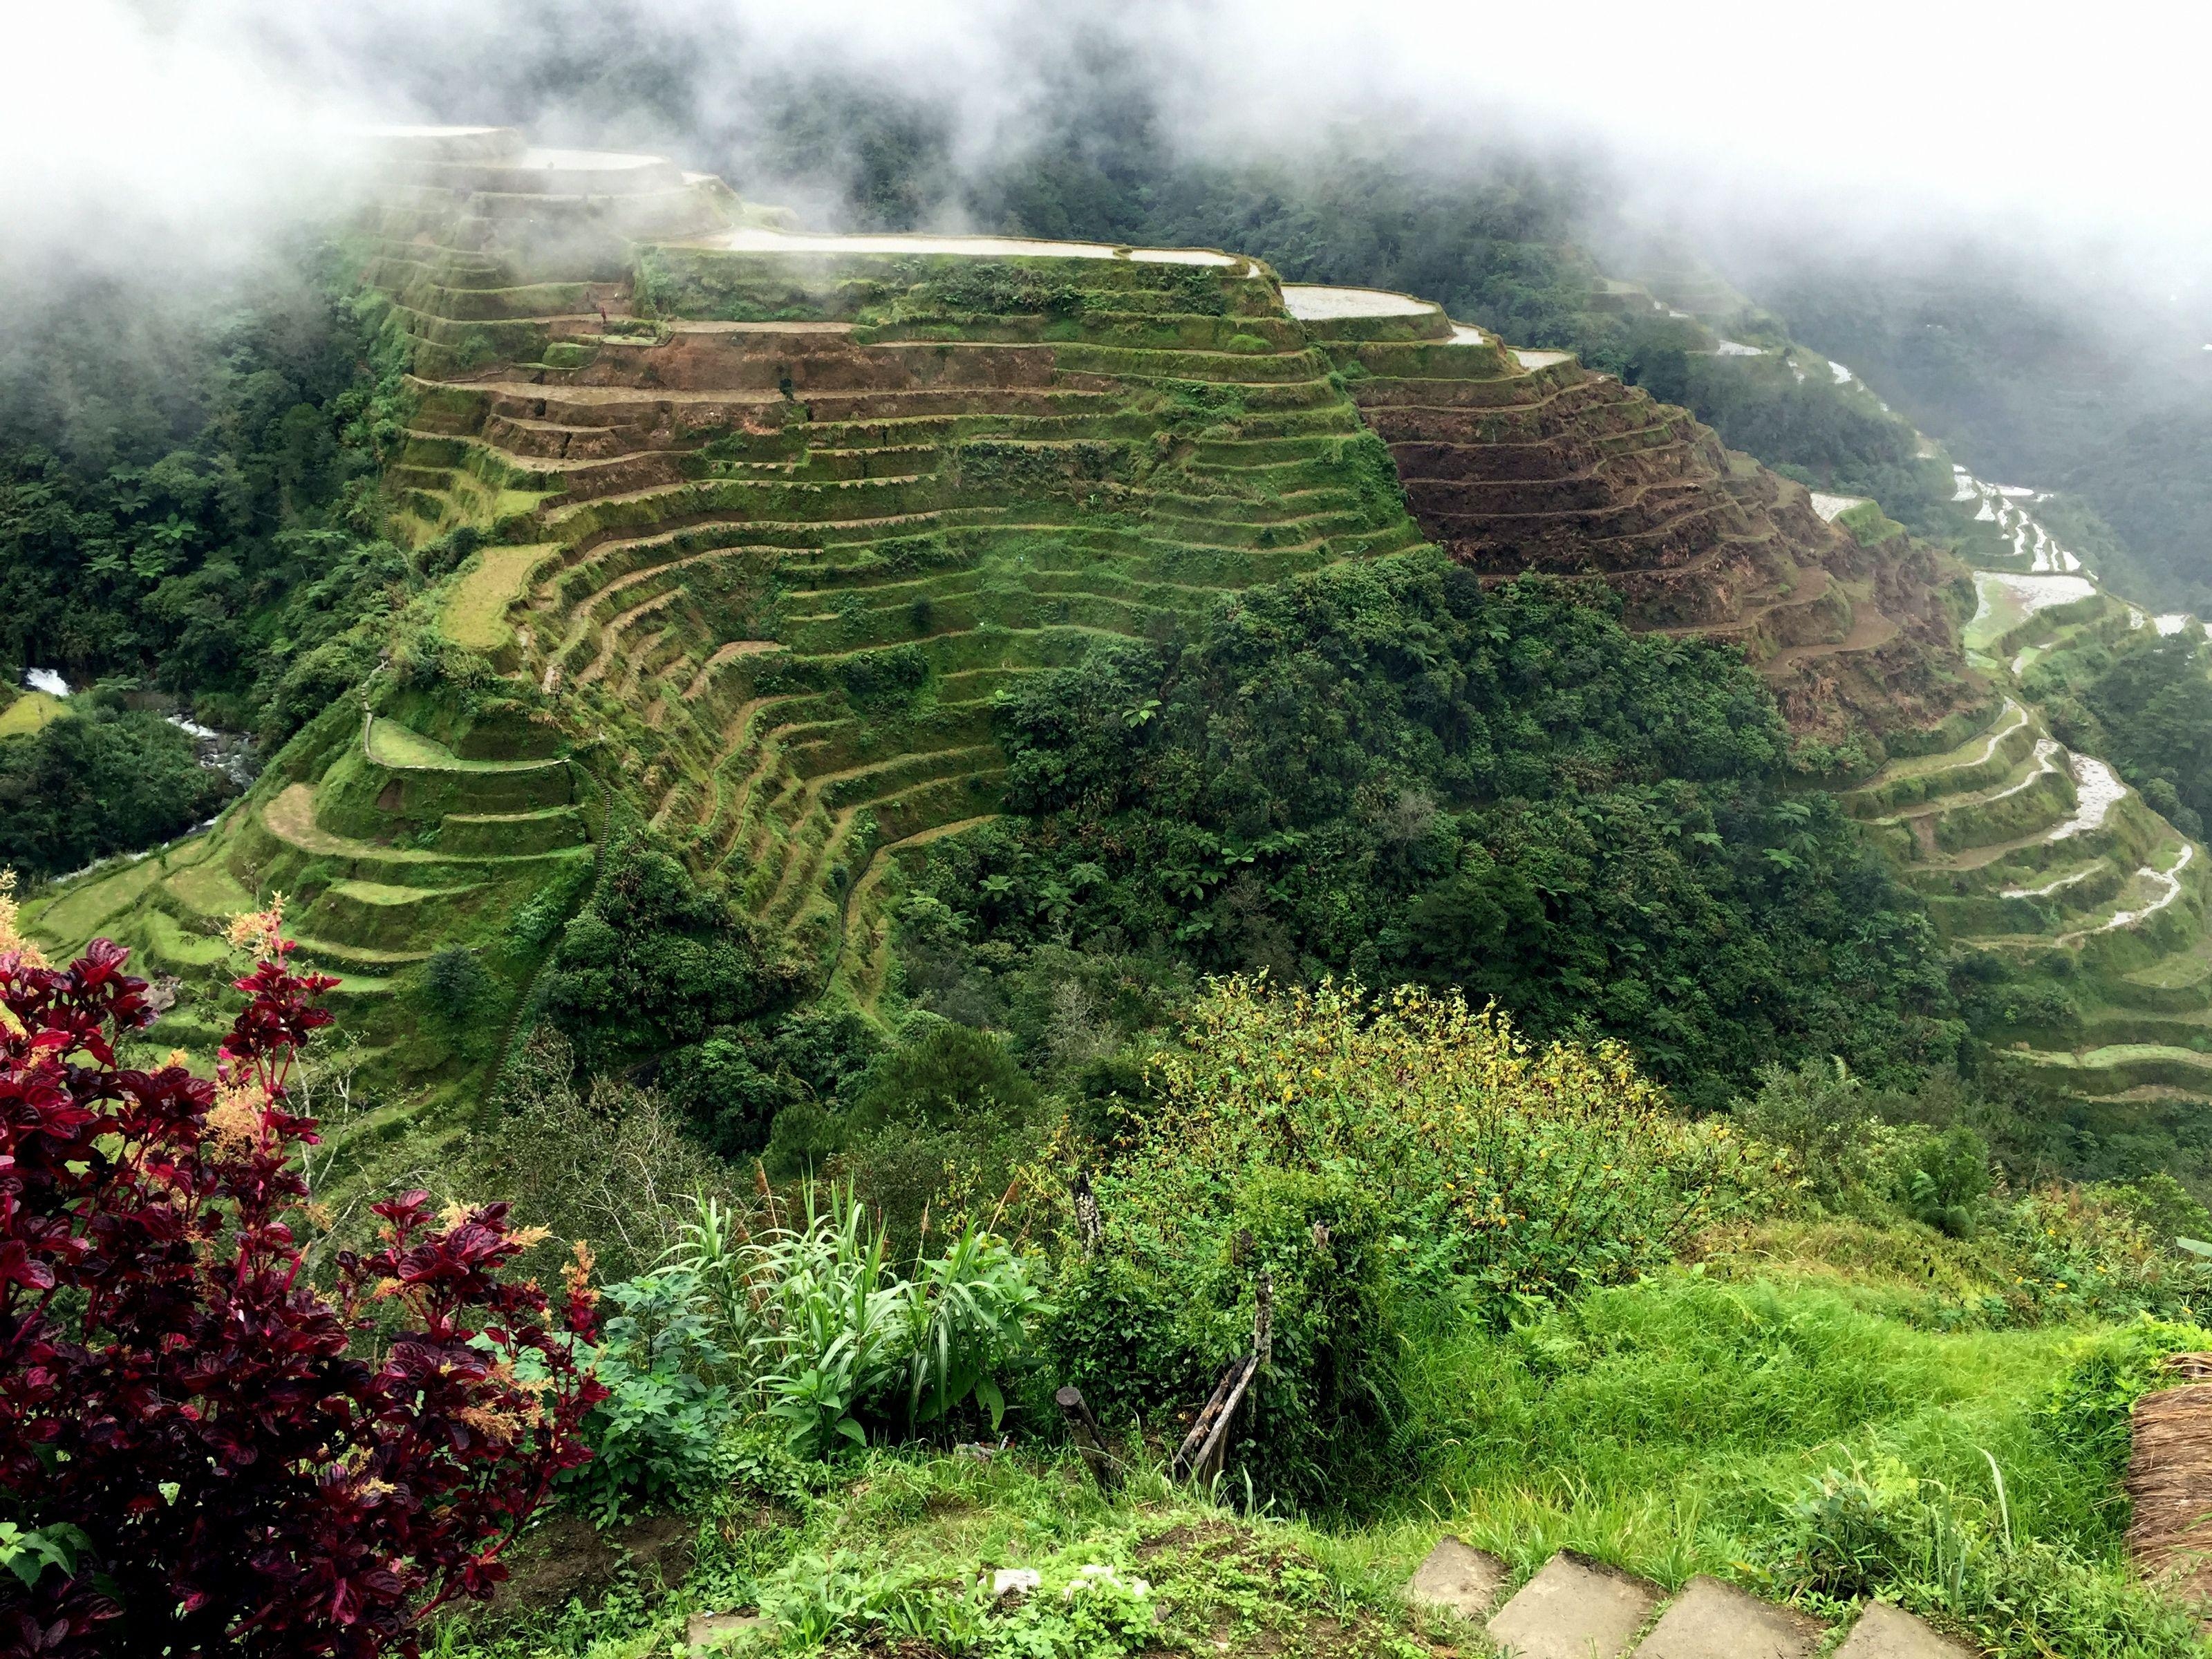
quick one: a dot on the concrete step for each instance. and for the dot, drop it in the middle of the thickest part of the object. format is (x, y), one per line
(1574, 1609)
(1887, 1632)
(1712, 1620)
(1457, 1579)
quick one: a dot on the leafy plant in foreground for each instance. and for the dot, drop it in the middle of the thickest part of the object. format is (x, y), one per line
(659, 1430)
(835, 1342)
(245, 1474)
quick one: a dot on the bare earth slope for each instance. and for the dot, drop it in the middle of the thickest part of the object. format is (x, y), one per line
(1522, 460)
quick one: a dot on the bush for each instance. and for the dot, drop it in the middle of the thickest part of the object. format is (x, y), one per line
(2089, 1410)
(1943, 1179)
(454, 983)
(1864, 1528)
(1819, 1114)
(937, 1126)
(610, 1163)
(838, 1346)
(231, 1463)
(656, 960)
(657, 1433)
(2081, 1252)
(1365, 1151)
(948, 1076)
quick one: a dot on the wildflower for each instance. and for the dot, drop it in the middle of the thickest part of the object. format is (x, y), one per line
(12, 942)
(257, 931)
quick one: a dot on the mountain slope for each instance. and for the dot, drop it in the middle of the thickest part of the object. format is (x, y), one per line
(756, 524)
(1527, 461)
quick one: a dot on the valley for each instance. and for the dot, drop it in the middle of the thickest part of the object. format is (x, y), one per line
(763, 522)
(968, 944)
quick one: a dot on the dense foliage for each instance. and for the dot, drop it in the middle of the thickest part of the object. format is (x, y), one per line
(1362, 1155)
(102, 779)
(1386, 771)
(188, 485)
(221, 1458)
(655, 960)
(807, 1325)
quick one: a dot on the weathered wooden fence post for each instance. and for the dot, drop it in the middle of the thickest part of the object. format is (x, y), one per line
(1082, 1427)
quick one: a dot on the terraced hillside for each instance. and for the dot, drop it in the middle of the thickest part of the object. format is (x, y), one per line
(2045, 858)
(769, 521)
(1523, 460)
(757, 522)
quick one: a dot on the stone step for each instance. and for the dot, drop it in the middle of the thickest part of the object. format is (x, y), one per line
(1712, 1620)
(1458, 1579)
(1577, 1609)
(1887, 1632)
(1574, 1609)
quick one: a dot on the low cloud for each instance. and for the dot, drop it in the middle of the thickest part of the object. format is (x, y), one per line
(185, 127)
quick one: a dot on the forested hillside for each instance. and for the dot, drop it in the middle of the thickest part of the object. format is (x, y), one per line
(190, 521)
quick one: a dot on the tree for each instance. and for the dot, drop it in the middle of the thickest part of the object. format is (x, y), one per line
(213, 1455)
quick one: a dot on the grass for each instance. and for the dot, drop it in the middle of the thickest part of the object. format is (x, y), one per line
(895, 1547)
(1663, 1426)
(1688, 1423)
(476, 607)
(391, 744)
(1981, 746)
(31, 712)
(72, 917)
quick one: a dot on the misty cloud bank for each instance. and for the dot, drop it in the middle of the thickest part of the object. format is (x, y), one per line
(190, 127)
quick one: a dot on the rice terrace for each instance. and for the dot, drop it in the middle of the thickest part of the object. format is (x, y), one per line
(816, 837)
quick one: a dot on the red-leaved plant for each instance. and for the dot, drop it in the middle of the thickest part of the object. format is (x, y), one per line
(222, 1458)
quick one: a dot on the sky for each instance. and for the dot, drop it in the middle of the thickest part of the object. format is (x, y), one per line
(190, 126)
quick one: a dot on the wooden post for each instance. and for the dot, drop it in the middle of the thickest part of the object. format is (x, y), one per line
(1082, 1427)
(1263, 1319)
(1209, 1436)
(1208, 1464)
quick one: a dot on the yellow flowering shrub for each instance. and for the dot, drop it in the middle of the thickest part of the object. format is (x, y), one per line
(12, 942)
(1364, 1150)
(1529, 1169)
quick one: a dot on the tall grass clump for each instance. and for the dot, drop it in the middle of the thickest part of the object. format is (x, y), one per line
(837, 1340)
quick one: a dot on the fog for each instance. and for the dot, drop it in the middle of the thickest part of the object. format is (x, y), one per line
(163, 132)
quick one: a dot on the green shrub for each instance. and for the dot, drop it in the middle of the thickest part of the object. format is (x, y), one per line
(2089, 1409)
(454, 983)
(1819, 1114)
(1943, 1179)
(948, 1075)
(656, 960)
(837, 1345)
(937, 1126)
(657, 1433)
(1363, 1152)
(2083, 1252)
(1862, 1530)
(720, 1086)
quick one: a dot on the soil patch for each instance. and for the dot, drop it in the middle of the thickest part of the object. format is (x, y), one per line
(569, 1558)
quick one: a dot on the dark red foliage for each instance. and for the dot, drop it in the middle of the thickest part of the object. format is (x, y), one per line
(261, 1469)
